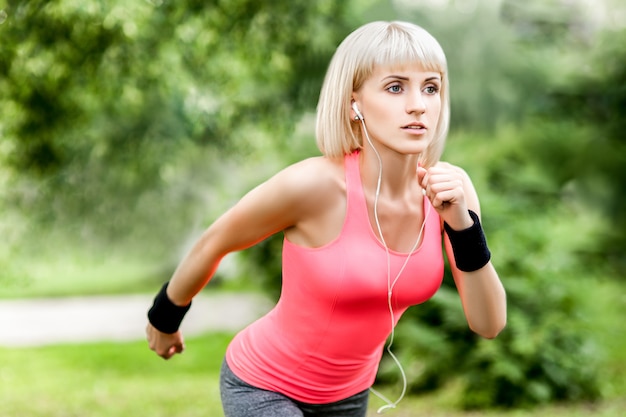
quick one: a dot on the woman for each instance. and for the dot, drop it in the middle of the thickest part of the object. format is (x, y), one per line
(363, 228)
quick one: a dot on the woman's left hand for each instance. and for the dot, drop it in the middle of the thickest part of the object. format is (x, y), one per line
(445, 188)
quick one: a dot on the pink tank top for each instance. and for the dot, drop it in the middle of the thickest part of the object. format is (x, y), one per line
(323, 340)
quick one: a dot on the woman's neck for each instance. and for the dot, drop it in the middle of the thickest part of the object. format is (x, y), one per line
(399, 173)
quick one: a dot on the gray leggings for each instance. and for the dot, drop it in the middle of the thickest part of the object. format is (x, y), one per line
(240, 399)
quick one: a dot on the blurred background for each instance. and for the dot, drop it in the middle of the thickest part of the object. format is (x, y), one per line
(126, 127)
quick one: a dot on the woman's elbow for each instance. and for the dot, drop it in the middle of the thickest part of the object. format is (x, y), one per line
(491, 329)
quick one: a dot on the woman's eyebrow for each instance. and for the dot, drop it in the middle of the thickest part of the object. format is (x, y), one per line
(405, 78)
(395, 77)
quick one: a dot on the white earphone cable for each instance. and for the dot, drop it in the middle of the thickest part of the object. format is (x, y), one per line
(390, 284)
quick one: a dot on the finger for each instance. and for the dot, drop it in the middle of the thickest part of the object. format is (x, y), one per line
(426, 179)
(443, 178)
(178, 347)
(167, 353)
(438, 181)
(441, 199)
(174, 349)
(421, 175)
(437, 202)
(446, 186)
(149, 338)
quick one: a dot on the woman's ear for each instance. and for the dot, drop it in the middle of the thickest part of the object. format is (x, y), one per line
(357, 112)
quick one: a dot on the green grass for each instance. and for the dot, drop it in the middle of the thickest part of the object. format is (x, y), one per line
(110, 379)
(127, 379)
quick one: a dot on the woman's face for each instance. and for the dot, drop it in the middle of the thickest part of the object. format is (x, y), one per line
(401, 107)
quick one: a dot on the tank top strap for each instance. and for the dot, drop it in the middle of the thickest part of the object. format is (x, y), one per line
(353, 175)
(356, 212)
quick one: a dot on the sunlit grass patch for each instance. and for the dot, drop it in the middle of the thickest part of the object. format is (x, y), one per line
(106, 379)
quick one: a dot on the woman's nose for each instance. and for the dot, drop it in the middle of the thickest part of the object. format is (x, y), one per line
(415, 103)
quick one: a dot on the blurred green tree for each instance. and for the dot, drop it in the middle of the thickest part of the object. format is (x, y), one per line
(594, 102)
(101, 99)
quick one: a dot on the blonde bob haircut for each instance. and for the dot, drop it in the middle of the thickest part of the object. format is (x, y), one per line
(389, 44)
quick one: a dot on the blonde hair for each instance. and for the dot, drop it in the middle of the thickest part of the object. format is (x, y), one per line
(371, 45)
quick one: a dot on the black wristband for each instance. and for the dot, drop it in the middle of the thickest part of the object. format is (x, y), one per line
(469, 245)
(164, 315)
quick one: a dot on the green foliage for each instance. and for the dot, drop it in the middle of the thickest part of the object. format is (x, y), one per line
(103, 100)
(594, 102)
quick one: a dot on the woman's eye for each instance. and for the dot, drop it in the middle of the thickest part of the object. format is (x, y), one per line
(394, 89)
(431, 89)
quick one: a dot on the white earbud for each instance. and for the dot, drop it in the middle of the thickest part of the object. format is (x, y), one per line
(359, 116)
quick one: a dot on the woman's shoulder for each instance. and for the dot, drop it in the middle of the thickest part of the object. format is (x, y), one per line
(315, 173)
(310, 184)
(317, 162)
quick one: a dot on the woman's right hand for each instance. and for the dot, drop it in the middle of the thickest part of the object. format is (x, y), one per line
(163, 344)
